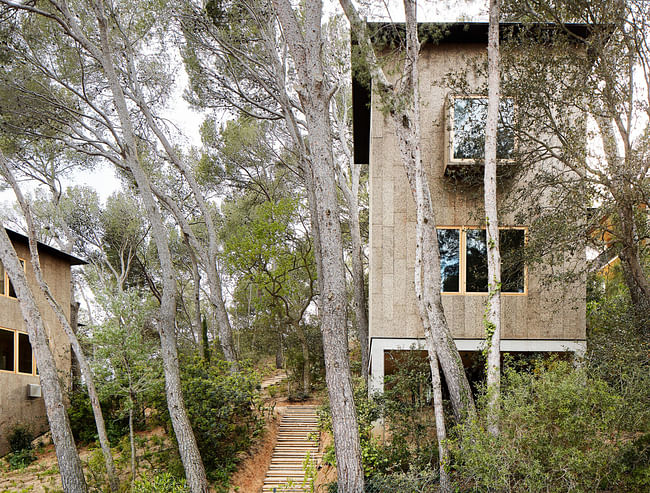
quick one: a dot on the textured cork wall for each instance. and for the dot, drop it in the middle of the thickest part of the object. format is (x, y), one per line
(15, 407)
(555, 313)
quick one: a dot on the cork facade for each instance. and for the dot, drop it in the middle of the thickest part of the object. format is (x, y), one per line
(18, 370)
(535, 317)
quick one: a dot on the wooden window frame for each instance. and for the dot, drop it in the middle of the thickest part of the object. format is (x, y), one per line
(462, 264)
(450, 160)
(15, 371)
(6, 281)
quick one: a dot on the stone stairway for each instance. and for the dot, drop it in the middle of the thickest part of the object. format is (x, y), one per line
(286, 473)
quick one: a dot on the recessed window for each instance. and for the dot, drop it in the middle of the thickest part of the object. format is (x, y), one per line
(16, 354)
(463, 260)
(25, 360)
(466, 124)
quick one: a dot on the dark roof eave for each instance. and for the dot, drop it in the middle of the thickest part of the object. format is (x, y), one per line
(42, 247)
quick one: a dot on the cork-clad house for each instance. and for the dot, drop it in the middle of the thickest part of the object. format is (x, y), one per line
(21, 403)
(535, 317)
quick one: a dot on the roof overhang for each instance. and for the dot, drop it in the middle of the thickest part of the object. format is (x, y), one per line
(43, 248)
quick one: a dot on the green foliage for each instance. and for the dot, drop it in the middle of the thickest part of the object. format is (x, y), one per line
(160, 483)
(82, 420)
(558, 432)
(618, 352)
(20, 438)
(20, 459)
(223, 408)
(20, 443)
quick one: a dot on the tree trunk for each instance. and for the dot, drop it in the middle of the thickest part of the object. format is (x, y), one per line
(314, 93)
(359, 285)
(493, 304)
(441, 432)
(65, 325)
(306, 365)
(633, 274)
(70, 468)
(74, 324)
(188, 449)
(134, 470)
(409, 143)
(196, 277)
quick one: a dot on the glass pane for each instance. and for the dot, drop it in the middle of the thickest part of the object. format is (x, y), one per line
(512, 265)
(6, 350)
(2, 279)
(470, 115)
(477, 273)
(449, 245)
(24, 354)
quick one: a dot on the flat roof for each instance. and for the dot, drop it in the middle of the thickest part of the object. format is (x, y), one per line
(42, 247)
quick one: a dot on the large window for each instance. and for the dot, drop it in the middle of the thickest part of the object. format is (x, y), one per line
(16, 352)
(466, 124)
(6, 287)
(463, 260)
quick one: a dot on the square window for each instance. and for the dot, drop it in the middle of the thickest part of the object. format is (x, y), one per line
(467, 125)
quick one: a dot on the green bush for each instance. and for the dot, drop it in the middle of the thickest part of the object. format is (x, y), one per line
(82, 420)
(20, 439)
(160, 483)
(224, 410)
(21, 458)
(558, 432)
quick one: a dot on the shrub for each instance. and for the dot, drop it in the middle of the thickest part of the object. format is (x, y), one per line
(20, 444)
(160, 483)
(224, 411)
(82, 420)
(20, 439)
(557, 433)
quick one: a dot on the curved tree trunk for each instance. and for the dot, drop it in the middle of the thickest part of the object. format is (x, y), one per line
(409, 144)
(84, 367)
(188, 449)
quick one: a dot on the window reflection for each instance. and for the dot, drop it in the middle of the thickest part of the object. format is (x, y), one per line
(449, 246)
(6, 350)
(470, 115)
(476, 256)
(511, 244)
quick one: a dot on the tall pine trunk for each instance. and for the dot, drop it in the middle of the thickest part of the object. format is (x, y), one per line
(315, 93)
(493, 308)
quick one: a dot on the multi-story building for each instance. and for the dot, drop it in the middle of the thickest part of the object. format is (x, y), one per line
(535, 317)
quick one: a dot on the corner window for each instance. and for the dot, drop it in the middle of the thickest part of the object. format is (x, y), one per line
(463, 260)
(16, 354)
(466, 122)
